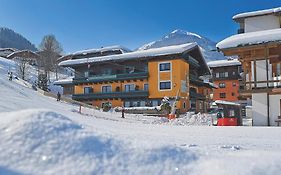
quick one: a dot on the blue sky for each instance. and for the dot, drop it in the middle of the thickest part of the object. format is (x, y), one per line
(82, 24)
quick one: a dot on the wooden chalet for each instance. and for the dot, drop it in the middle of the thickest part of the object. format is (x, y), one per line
(258, 46)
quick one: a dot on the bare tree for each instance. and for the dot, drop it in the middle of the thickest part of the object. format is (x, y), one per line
(22, 67)
(50, 50)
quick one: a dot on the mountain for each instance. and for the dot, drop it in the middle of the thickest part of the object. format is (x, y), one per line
(11, 39)
(178, 37)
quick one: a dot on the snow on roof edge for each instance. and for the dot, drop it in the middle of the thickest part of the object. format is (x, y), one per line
(251, 38)
(256, 13)
(114, 47)
(63, 81)
(224, 63)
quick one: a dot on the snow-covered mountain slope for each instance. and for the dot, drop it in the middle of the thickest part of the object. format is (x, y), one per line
(31, 75)
(42, 136)
(178, 37)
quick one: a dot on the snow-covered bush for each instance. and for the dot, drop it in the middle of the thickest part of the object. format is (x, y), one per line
(106, 106)
(165, 105)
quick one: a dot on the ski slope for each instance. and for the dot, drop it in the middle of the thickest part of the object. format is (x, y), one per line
(42, 136)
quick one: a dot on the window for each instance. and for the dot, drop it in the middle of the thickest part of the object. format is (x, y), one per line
(233, 73)
(88, 90)
(129, 87)
(233, 84)
(239, 69)
(155, 102)
(134, 103)
(231, 113)
(146, 68)
(184, 105)
(222, 85)
(164, 66)
(217, 75)
(223, 74)
(86, 74)
(222, 95)
(127, 104)
(129, 69)
(233, 94)
(226, 74)
(145, 87)
(106, 89)
(106, 72)
(142, 103)
(278, 70)
(165, 85)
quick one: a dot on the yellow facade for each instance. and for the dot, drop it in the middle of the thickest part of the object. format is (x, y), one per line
(178, 76)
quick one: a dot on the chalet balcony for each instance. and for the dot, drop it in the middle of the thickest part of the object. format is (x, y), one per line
(249, 87)
(111, 95)
(114, 77)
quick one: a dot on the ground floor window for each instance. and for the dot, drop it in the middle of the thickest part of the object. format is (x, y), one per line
(184, 105)
(135, 103)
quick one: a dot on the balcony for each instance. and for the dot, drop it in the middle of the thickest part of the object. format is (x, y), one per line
(109, 95)
(115, 77)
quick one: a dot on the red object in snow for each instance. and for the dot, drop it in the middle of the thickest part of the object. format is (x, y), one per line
(227, 122)
(171, 116)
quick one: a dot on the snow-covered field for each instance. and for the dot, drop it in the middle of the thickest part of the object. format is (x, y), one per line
(39, 135)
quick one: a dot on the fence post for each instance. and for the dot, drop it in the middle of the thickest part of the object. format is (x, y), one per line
(80, 109)
(123, 111)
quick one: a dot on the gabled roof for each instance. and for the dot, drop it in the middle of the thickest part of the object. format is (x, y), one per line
(257, 13)
(251, 38)
(191, 48)
(23, 54)
(169, 50)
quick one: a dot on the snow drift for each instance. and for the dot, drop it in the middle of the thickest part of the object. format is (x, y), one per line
(54, 144)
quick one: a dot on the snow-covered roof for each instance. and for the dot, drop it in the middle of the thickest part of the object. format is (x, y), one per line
(257, 13)
(224, 63)
(64, 81)
(251, 38)
(34, 54)
(5, 49)
(169, 50)
(103, 49)
(226, 102)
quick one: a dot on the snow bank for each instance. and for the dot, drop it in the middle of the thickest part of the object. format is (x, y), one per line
(54, 144)
(189, 119)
